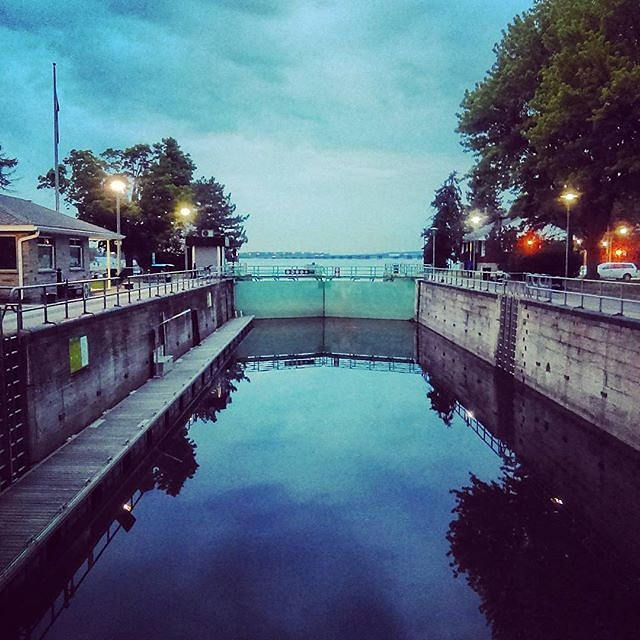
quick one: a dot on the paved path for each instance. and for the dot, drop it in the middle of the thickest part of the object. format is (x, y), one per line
(33, 507)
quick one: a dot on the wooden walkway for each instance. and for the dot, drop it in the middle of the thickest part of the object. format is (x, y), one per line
(35, 506)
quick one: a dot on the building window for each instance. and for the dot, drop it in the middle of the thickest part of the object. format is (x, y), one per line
(75, 253)
(8, 253)
(46, 254)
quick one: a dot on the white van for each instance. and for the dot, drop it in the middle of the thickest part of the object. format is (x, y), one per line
(614, 271)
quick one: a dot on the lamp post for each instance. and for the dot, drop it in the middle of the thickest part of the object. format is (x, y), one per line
(118, 187)
(185, 212)
(433, 249)
(475, 221)
(568, 197)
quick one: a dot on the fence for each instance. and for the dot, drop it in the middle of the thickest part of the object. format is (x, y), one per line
(45, 303)
(603, 296)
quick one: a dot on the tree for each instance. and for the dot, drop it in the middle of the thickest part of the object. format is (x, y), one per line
(82, 183)
(448, 221)
(214, 210)
(159, 179)
(164, 186)
(561, 107)
(7, 166)
(133, 162)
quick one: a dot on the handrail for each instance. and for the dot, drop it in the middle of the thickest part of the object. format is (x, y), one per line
(612, 297)
(116, 289)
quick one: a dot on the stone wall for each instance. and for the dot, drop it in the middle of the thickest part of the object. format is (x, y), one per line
(468, 317)
(571, 459)
(588, 363)
(119, 343)
(32, 273)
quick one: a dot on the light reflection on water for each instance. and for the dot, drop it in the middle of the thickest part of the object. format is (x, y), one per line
(319, 504)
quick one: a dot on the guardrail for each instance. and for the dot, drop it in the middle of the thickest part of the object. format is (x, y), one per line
(87, 296)
(613, 297)
(295, 272)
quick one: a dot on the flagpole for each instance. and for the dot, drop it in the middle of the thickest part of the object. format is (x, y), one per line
(56, 139)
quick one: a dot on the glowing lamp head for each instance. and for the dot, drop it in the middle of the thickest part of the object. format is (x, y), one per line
(185, 211)
(569, 196)
(623, 231)
(118, 186)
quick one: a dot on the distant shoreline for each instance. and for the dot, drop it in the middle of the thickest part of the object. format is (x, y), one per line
(267, 255)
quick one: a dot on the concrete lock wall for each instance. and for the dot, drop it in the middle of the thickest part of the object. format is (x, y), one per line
(588, 363)
(78, 369)
(384, 300)
(467, 317)
(571, 458)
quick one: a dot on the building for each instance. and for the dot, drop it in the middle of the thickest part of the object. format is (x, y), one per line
(40, 246)
(205, 250)
(476, 253)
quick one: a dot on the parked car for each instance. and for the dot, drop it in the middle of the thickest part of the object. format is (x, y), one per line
(614, 271)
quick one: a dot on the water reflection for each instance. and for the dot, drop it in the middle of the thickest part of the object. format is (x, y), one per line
(549, 545)
(340, 504)
(539, 572)
(31, 611)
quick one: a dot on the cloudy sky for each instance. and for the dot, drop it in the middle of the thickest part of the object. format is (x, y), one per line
(330, 122)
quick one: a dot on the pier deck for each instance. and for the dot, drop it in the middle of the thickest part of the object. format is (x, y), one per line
(34, 507)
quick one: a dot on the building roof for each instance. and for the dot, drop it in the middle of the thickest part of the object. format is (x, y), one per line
(17, 214)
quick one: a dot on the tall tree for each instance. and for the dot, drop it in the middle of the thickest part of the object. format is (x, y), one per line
(82, 183)
(561, 107)
(159, 180)
(133, 162)
(216, 211)
(448, 222)
(164, 187)
(7, 166)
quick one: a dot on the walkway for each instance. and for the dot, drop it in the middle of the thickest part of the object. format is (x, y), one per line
(37, 504)
(34, 315)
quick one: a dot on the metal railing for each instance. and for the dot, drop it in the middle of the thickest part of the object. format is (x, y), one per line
(61, 300)
(603, 296)
(312, 270)
(611, 297)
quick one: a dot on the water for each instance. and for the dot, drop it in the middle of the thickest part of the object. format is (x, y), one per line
(330, 262)
(341, 497)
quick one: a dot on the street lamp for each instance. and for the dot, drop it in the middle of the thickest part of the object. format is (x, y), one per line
(475, 221)
(623, 231)
(568, 197)
(186, 212)
(118, 187)
(433, 248)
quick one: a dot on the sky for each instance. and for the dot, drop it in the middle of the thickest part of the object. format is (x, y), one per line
(331, 123)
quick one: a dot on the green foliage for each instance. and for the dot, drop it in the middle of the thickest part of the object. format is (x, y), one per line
(7, 166)
(448, 220)
(214, 210)
(82, 182)
(159, 180)
(561, 106)
(164, 186)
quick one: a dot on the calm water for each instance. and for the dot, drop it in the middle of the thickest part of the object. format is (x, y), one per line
(338, 497)
(330, 262)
